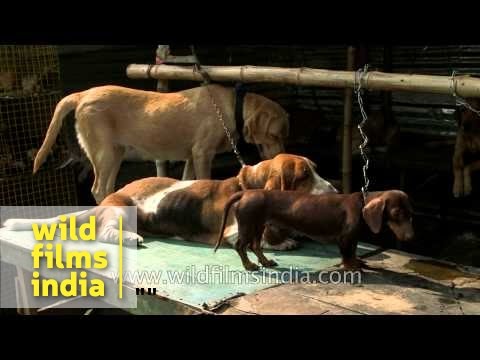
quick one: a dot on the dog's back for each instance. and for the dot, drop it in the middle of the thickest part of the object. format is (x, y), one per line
(321, 215)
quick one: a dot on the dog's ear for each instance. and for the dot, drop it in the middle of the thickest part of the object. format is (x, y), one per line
(257, 119)
(291, 173)
(282, 179)
(273, 183)
(373, 214)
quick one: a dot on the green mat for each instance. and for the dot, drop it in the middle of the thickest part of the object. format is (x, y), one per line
(193, 274)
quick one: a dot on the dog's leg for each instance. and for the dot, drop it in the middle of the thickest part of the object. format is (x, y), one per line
(95, 138)
(161, 168)
(103, 166)
(115, 167)
(246, 232)
(108, 229)
(458, 181)
(467, 176)
(241, 249)
(277, 239)
(257, 250)
(202, 163)
(188, 170)
(348, 250)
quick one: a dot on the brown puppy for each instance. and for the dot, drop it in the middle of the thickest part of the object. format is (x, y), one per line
(339, 217)
(111, 120)
(466, 157)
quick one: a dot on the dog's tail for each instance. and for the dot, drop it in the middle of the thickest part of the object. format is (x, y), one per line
(64, 106)
(233, 199)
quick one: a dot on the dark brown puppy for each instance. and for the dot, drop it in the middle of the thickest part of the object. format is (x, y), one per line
(338, 217)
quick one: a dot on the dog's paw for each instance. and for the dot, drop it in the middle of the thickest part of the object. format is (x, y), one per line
(458, 189)
(354, 264)
(269, 263)
(251, 267)
(112, 235)
(131, 238)
(288, 244)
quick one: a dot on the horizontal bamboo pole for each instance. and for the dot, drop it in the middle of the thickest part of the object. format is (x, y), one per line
(465, 86)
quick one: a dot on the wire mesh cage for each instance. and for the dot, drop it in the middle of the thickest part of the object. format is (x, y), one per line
(29, 91)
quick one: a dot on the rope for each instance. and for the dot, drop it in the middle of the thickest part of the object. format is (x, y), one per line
(460, 101)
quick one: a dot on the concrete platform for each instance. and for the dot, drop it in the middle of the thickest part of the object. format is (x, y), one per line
(398, 283)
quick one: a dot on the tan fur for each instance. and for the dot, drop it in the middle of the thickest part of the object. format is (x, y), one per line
(162, 126)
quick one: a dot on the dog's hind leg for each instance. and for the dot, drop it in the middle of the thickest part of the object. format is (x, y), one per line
(117, 157)
(94, 136)
(467, 176)
(257, 250)
(245, 233)
(188, 170)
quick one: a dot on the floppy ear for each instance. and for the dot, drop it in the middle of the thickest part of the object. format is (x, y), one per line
(273, 183)
(283, 179)
(373, 214)
(257, 119)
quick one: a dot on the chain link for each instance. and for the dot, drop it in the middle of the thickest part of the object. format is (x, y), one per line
(225, 128)
(358, 90)
(460, 101)
(218, 111)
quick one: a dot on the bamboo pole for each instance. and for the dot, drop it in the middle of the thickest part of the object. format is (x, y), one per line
(465, 86)
(347, 129)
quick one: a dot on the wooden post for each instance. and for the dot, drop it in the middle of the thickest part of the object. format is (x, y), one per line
(162, 86)
(466, 86)
(347, 129)
(162, 54)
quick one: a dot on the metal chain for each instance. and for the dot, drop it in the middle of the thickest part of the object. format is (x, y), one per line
(459, 101)
(203, 73)
(225, 128)
(358, 90)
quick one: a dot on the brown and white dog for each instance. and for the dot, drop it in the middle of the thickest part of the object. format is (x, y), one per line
(111, 120)
(466, 157)
(342, 218)
(193, 210)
